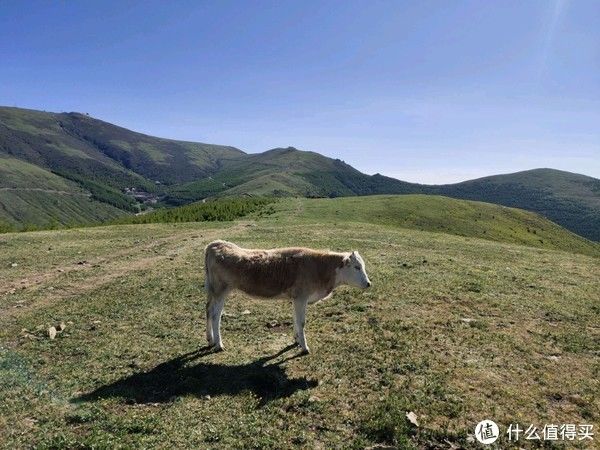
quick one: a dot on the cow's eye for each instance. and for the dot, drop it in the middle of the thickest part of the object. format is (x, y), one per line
(357, 267)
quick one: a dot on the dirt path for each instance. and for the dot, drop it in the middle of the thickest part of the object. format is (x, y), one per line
(48, 276)
(118, 265)
(48, 191)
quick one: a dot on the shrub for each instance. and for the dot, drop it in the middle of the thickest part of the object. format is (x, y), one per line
(223, 209)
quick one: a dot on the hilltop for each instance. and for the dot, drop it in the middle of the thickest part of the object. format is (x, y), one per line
(290, 172)
(434, 213)
(430, 213)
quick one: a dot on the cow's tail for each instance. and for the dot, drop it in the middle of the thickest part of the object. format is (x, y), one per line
(209, 260)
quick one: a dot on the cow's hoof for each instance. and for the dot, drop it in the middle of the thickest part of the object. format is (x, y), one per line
(219, 348)
(305, 351)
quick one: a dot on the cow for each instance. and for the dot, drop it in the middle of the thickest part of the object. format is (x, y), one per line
(303, 275)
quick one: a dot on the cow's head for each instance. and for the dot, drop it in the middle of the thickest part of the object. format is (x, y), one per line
(353, 271)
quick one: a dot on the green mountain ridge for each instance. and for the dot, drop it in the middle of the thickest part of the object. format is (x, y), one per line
(290, 172)
(569, 199)
(106, 161)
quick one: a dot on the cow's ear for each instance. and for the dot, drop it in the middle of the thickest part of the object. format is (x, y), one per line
(345, 261)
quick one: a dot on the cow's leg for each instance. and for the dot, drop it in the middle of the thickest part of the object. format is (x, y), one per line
(299, 322)
(209, 328)
(215, 317)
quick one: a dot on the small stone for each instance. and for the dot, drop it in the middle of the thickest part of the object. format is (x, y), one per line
(245, 312)
(412, 418)
(14, 265)
(467, 320)
(51, 332)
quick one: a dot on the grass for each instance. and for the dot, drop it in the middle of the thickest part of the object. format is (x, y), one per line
(569, 199)
(43, 210)
(455, 329)
(31, 197)
(439, 214)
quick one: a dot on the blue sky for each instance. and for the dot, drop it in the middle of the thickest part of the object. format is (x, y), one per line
(425, 91)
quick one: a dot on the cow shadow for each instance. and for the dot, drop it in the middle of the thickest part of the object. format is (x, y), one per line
(180, 376)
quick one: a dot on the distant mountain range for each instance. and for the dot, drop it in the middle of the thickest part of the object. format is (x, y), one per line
(69, 168)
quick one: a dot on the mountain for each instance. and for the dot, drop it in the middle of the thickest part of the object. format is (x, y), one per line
(87, 155)
(121, 169)
(77, 143)
(289, 172)
(569, 199)
(110, 171)
(31, 195)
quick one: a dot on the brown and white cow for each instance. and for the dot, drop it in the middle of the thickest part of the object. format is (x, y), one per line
(301, 274)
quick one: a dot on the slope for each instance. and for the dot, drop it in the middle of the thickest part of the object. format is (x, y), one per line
(289, 172)
(102, 159)
(452, 329)
(569, 199)
(34, 196)
(81, 144)
(438, 214)
(105, 159)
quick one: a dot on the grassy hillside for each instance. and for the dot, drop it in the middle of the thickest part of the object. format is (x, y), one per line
(36, 197)
(100, 158)
(104, 160)
(454, 330)
(569, 199)
(79, 144)
(439, 214)
(289, 172)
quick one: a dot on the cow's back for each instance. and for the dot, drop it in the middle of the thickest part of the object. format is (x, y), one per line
(263, 273)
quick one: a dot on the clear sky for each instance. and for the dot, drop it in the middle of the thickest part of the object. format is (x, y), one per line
(425, 91)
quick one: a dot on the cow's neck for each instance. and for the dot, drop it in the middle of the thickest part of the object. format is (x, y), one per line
(338, 277)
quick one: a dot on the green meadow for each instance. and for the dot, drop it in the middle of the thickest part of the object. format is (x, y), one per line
(476, 311)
